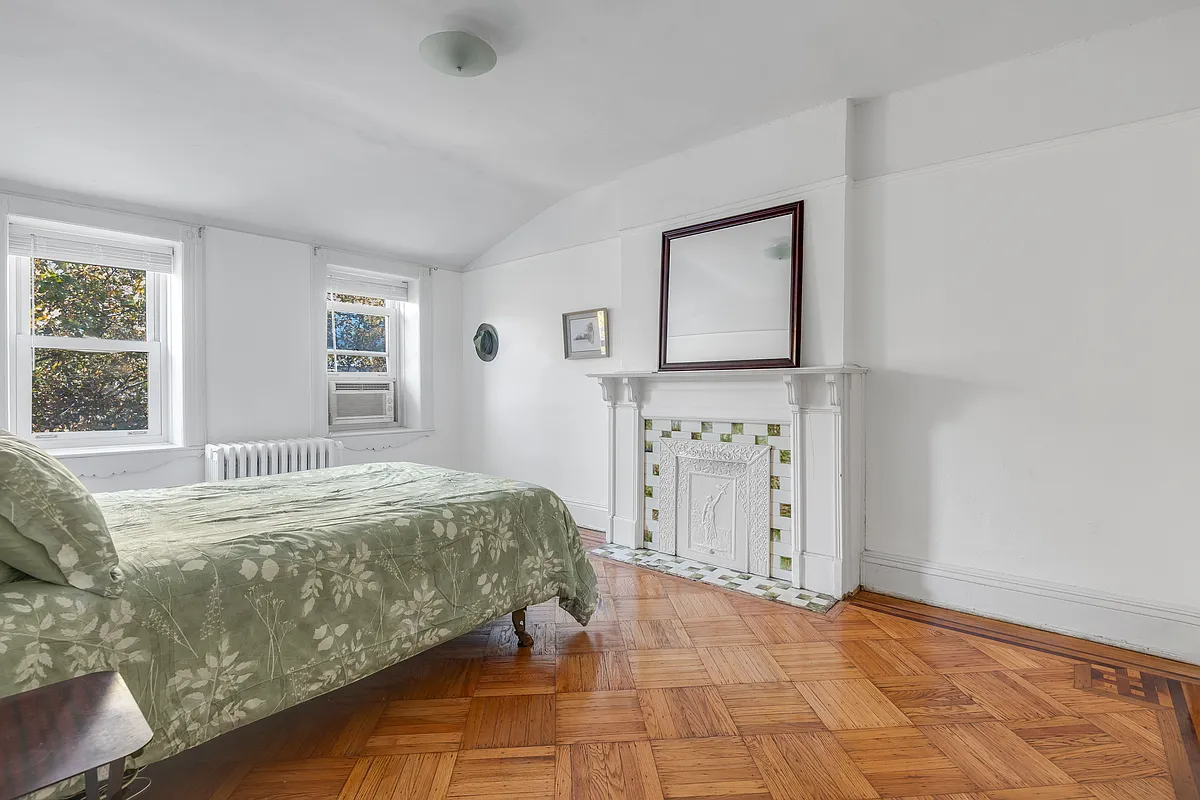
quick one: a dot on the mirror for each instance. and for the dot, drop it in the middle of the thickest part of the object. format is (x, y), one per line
(730, 295)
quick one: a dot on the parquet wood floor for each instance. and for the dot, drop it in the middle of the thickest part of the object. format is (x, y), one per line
(678, 690)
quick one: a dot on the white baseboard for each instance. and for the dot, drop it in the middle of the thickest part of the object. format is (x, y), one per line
(1156, 628)
(823, 574)
(626, 531)
(588, 515)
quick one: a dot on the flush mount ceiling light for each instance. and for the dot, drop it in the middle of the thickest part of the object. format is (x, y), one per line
(458, 53)
(780, 251)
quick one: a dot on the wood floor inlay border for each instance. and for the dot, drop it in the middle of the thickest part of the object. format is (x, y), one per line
(1140, 678)
(1030, 638)
(1188, 724)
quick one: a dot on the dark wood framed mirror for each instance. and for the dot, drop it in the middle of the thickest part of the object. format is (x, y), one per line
(730, 292)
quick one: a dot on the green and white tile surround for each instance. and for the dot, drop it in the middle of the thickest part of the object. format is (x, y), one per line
(777, 435)
(780, 591)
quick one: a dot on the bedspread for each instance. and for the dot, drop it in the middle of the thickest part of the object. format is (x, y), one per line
(245, 597)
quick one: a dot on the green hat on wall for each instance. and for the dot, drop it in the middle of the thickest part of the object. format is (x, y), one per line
(487, 342)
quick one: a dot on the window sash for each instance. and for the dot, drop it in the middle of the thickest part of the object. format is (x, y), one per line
(157, 303)
(369, 353)
(89, 344)
(26, 347)
(390, 313)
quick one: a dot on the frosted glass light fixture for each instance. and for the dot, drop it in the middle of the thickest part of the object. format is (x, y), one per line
(458, 53)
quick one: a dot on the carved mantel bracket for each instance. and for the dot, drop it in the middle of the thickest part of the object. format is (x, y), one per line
(609, 389)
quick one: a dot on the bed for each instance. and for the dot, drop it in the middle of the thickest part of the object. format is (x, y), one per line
(245, 597)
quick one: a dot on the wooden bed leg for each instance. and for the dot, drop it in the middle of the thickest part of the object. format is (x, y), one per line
(523, 638)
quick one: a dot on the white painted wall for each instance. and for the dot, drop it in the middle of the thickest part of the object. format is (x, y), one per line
(1027, 310)
(1137, 73)
(258, 337)
(601, 248)
(592, 215)
(531, 414)
(1025, 349)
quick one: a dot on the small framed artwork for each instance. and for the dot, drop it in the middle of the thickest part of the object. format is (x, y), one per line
(585, 333)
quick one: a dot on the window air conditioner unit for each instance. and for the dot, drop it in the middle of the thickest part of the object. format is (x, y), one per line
(352, 402)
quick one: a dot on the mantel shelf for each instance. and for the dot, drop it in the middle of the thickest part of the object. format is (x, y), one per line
(731, 374)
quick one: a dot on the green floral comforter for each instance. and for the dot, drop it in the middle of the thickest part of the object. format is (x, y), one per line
(245, 597)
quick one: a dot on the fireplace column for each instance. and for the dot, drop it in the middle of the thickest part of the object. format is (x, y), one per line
(827, 479)
(625, 461)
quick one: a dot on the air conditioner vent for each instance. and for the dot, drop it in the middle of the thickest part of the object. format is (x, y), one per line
(362, 387)
(355, 403)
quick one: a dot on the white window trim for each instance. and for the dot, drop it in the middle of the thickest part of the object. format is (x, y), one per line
(180, 349)
(414, 371)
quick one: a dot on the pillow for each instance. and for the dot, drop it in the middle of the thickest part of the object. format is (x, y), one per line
(50, 527)
(8, 574)
(16, 549)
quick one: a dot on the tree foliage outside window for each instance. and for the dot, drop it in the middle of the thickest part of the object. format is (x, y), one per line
(77, 390)
(355, 299)
(80, 390)
(84, 300)
(353, 337)
(344, 363)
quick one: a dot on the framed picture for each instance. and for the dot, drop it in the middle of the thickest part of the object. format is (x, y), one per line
(585, 333)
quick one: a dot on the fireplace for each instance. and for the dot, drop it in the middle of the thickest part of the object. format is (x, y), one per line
(757, 471)
(715, 504)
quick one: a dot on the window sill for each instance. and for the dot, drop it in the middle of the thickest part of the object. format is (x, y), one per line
(101, 451)
(379, 438)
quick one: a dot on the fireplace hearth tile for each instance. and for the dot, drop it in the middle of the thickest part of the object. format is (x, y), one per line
(775, 589)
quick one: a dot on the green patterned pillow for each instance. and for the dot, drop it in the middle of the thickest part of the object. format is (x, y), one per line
(50, 527)
(8, 574)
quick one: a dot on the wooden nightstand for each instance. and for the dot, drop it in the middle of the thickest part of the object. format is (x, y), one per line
(58, 731)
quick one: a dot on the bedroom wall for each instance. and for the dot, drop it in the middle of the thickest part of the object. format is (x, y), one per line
(531, 414)
(801, 157)
(257, 340)
(260, 372)
(1024, 297)
(257, 336)
(1016, 263)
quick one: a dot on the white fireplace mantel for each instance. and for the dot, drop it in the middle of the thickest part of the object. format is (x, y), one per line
(824, 405)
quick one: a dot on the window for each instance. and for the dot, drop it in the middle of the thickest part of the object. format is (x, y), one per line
(363, 341)
(358, 331)
(91, 322)
(372, 346)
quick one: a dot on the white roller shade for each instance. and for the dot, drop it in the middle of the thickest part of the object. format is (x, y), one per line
(367, 285)
(54, 245)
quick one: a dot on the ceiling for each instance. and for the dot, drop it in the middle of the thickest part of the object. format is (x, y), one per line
(317, 120)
